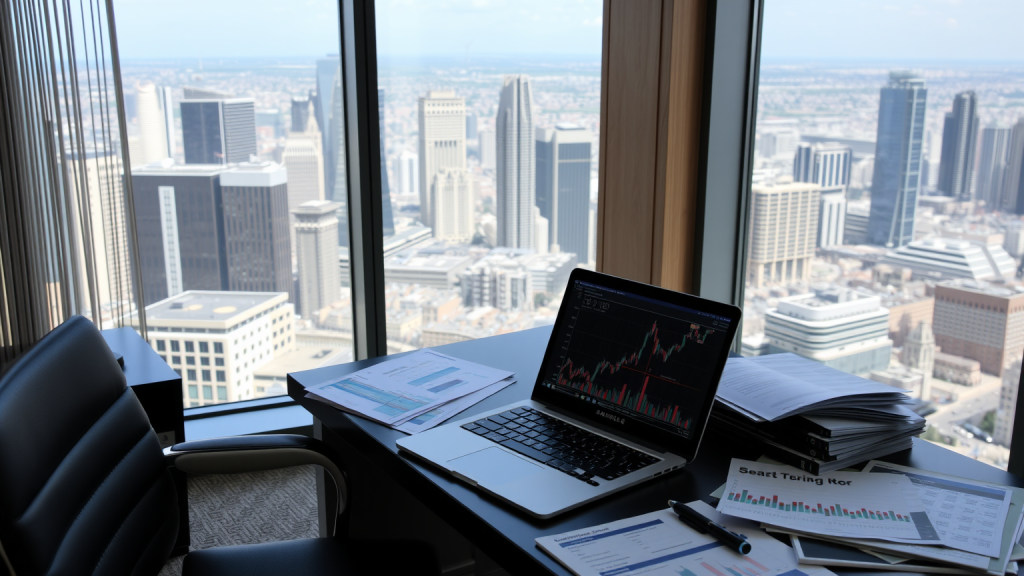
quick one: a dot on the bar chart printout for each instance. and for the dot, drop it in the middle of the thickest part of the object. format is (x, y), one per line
(659, 543)
(846, 504)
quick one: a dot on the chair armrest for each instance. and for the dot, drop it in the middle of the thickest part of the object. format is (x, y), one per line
(237, 454)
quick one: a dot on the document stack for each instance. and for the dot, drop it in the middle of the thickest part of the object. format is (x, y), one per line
(413, 392)
(810, 416)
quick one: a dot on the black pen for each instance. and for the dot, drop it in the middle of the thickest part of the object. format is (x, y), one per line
(704, 525)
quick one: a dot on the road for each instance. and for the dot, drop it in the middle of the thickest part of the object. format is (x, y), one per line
(971, 401)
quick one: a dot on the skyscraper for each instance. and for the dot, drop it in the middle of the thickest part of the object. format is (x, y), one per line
(784, 221)
(1013, 178)
(516, 163)
(167, 105)
(895, 183)
(152, 139)
(300, 115)
(959, 140)
(407, 171)
(827, 165)
(218, 131)
(563, 187)
(487, 149)
(992, 164)
(453, 204)
(303, 158)
(316, 231)
(337, 169)
(442, 144)
(385, 188)
(328, 116)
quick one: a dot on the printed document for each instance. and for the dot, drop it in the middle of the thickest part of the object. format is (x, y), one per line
(660, 544)
(968, 515)
(427, 420)
(397, 390)
(844, 504)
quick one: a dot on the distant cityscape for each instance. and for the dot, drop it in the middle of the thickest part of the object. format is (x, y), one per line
(885, 236)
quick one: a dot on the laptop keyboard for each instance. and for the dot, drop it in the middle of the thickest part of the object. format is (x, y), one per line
(561, 445)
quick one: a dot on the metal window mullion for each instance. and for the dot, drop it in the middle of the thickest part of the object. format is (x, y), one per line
(365, 216)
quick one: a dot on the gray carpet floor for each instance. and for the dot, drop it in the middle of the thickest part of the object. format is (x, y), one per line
(250, 508)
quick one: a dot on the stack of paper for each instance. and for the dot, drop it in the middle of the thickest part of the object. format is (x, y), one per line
(911, 520)
(812, 416)
(412, 393)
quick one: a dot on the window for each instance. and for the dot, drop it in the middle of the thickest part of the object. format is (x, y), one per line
(161, 346)
(221, 376)
(176, 359)
(174, 346)
(207, 392)
(840, 224)
(193, 391)
(222, 394)
(206, 376)
(189, 347)
(190, 360)
(192, 375)
(204, 347)
(466, 255)
(204, 361)
(218, 361)
(218, 348)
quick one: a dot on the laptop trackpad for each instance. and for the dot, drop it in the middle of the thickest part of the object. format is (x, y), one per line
(493, 466)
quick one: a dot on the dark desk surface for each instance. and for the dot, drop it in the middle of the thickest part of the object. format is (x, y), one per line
(507, 535)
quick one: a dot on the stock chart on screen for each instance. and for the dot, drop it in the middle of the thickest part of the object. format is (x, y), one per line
(636, 356)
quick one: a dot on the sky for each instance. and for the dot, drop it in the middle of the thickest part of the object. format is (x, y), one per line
(924, 30)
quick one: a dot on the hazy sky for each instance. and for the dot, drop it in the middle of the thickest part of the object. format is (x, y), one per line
(940, 30)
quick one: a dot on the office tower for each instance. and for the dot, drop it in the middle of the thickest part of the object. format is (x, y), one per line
(407, 172)
(336, 164)
(895, 182)
(992, 152)
(328, 109)
(837, 327)
(1013, 242)
(831, 219)
(979, 321)
(959, 140)
(452, 191)
(827, 165)
(152, 140)
(256, 238)
(516, 163)
(919, 354)
(194, 93)
(540, 232)
(471, 131)
(855, 230)
(1013, 177)
(215, 340)
(563, 187)
(316, 245)
(167, 105)
(803, 163)
(179, 217)
(500, 283)
(442, 144)
(218, 131)
(300, 115)
(385, 189)
(303, 157)
(488, 149)
(784, 221)
(1007, 403)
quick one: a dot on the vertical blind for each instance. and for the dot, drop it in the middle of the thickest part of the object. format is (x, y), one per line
(67, 219)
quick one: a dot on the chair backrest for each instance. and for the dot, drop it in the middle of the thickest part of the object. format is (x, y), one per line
(83, 484)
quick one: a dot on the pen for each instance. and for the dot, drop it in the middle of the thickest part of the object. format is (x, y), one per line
(704, 525)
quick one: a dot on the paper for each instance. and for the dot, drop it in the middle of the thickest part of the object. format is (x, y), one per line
(845, 504)
(968, 515)
(660, 544)
(428, 420)
(397, 390)
(779, 385)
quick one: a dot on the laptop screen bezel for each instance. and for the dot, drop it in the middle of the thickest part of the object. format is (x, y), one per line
(633, 427)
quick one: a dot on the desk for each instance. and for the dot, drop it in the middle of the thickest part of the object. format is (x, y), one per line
(507, 536)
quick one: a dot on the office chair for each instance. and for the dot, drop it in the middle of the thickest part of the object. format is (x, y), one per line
(86, 489)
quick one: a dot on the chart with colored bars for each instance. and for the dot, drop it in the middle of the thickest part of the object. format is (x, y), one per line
(829, 510)
(619, 353)
(744, 566)
(391, 404)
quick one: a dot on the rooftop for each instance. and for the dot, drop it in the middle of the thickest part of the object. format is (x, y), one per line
(219, 307)
(983, 288)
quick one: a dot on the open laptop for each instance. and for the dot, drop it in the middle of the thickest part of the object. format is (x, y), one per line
(623, 395)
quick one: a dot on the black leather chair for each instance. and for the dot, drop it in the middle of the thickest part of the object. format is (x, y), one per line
(86, 489)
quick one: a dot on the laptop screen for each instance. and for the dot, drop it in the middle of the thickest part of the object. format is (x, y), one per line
(636, 358)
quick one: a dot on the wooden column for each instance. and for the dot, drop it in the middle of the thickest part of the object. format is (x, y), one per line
(651, 88)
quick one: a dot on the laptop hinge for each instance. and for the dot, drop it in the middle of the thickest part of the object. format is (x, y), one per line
(610, 430)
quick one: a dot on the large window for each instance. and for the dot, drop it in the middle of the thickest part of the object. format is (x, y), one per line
(489, 117)
(237, 149)
(885, 233)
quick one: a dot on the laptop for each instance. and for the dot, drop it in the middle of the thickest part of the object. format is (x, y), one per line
(623, 395)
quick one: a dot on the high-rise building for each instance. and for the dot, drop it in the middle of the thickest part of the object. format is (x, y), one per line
(452, 192)
(442, 144)
(563, 187)
(256, 238)
(167, 105)
(540, 232)
(329, 111)
(471, 131)
(839, 328)
(784, 222)
(516, 163)
(488, 149)
(218, 131)
(300, 115)
(959, 141)
(316, 237)
(919, 354)
(827, 165)
(979, 321)
(1007, 404)
(336, 165)
(407, 173)
(152, 139)
(215, 340)
(946, 259)
(895, 183)
(1013, 178)
(385, 188)
(303, 157)
(831, 218)
(992, 152)
(855, 230)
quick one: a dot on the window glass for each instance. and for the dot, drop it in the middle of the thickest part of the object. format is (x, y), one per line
(886, 207)
(218, 361)
(221, 376)
(192, 375)
(190, 360)
(204, 361)
(161, 345)
(222, 394)
(189, 347)
(237, 143)
(193, 391)
(176, 359)
(174, 346)
(206, 376)
(489, 119)
(207, 392)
